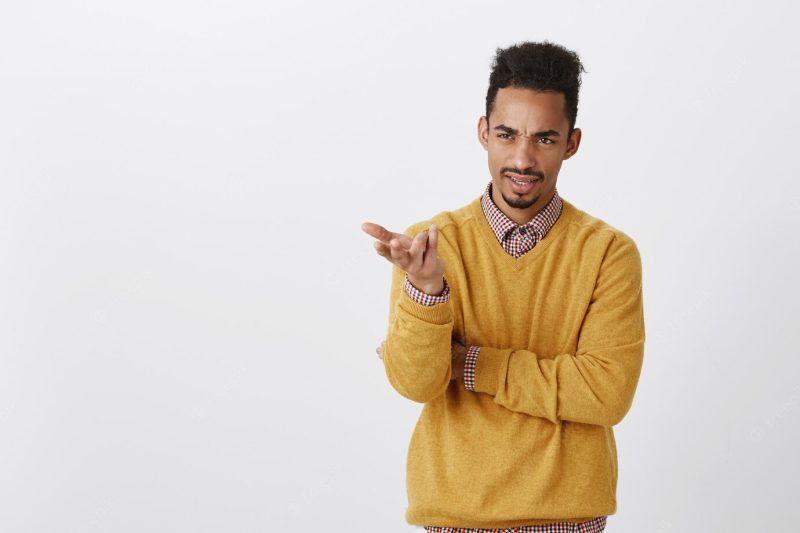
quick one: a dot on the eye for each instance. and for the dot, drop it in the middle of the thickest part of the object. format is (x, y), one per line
(546, 140)
(505, 136)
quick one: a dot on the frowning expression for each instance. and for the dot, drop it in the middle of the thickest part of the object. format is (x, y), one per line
(527, 138)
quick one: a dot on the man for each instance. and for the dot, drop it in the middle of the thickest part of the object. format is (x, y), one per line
(518, 321)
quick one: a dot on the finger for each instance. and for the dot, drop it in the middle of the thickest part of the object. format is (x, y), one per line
(377, 231)
(433, 241)
(398, 253)
(382, 249)
(417, 250)
(429, 255)
(384, 235)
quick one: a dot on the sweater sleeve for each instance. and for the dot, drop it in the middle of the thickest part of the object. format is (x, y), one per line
(596, 384)
(416, 352)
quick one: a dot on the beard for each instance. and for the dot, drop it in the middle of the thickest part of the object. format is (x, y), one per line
(516, 201)
(520, 203)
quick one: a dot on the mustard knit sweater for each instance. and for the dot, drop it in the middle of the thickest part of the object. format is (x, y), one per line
(561, 331)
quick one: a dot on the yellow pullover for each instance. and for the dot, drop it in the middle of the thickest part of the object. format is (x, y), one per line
(561, 331)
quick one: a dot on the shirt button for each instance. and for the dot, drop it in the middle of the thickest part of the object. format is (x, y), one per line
(523, 231)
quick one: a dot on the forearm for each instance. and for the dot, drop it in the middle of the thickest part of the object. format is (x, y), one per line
(416, 352)
(588, 387)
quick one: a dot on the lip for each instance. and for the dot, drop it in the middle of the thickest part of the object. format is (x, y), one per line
(525, 188)
(520, 177)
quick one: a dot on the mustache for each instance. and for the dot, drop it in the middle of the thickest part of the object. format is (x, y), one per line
(527, 172)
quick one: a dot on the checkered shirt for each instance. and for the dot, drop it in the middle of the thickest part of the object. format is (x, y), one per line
(595, 525)
(518, 240)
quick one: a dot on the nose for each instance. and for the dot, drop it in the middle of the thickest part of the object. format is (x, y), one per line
(524, 153)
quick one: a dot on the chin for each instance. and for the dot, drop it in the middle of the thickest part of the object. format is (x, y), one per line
(522, 202)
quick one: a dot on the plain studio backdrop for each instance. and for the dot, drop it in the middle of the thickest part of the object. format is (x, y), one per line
(190, 310)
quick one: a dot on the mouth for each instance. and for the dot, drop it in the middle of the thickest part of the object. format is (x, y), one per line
(521, 184)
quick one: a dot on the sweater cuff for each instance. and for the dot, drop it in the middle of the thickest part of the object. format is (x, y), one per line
(435, 313)
(491, 368)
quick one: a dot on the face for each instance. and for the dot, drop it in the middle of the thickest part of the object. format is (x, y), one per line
(526, 138)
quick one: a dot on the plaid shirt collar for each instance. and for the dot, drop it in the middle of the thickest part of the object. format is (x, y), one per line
(514, 238)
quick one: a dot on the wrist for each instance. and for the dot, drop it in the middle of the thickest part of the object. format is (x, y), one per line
(431, 287)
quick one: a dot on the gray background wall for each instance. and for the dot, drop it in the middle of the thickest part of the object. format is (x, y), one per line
(189, 308)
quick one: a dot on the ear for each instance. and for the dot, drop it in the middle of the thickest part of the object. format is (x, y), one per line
(483, 132)
(573, 143)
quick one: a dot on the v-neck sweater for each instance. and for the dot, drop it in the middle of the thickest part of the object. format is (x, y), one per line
(561, 336)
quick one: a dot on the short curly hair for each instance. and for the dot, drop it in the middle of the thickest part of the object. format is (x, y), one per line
(541, 66)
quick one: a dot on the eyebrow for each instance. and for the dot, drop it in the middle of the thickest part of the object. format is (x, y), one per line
(512, 131)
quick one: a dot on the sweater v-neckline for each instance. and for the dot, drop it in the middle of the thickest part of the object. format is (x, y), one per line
(519, 263)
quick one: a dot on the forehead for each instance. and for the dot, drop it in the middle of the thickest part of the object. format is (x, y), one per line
(526, 109)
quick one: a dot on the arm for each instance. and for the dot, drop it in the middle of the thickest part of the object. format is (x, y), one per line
(417, 349)
(596, 384)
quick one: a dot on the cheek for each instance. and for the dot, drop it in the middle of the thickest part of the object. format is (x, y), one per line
(552, 167)
(496, 157)
(552, 162)
(496, 164)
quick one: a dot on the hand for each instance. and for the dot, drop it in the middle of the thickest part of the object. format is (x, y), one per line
(379, 350)
(458, 351)
(417, 257)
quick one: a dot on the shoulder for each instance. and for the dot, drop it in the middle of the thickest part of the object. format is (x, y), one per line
(612, 248)
(596, 228)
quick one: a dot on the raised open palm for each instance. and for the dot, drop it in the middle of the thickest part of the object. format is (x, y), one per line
(417, 256)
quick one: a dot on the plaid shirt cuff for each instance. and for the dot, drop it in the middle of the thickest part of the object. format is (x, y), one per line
(425, 298)
(469, 367)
